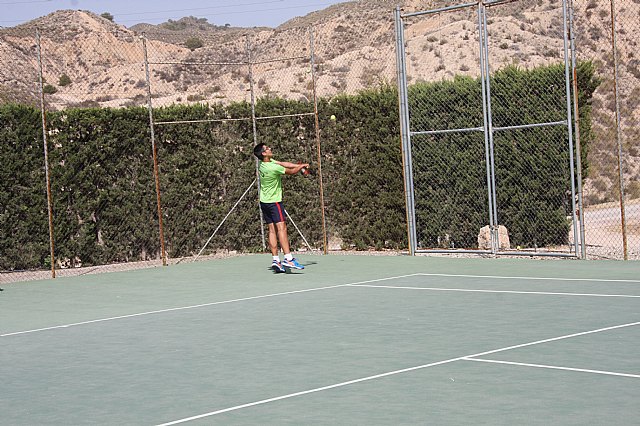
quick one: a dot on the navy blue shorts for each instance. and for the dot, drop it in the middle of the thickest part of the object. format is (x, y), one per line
(272, 212)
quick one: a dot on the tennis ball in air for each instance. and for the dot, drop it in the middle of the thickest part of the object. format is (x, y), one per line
(333, 117)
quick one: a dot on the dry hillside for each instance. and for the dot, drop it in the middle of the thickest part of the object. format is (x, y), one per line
(89, 61)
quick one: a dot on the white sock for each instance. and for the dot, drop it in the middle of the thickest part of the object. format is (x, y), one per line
(276, 258)
(288, 256)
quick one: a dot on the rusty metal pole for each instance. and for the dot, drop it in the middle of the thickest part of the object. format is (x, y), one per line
(46, 156)
(255, 133)
(154, 148)
(317, 124)
(614, 48)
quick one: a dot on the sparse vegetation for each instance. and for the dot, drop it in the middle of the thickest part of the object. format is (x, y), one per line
(193, 43)
(49, 89)
(64, 80)
(633, 190)
(195, 98)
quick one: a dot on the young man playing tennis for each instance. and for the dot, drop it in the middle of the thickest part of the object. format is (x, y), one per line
(271, 172)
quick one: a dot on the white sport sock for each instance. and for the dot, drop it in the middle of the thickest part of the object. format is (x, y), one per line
(276, 258)
(288, 256)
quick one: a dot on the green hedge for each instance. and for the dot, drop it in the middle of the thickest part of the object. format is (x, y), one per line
(24, 231)
(105, 206)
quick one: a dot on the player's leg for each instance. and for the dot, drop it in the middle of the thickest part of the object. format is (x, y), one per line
(267, 213)
(276, 265)
(273, 239)
(289, 261)
(283, 237)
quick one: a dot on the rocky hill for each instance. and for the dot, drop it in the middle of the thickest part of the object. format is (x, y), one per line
(88, 60)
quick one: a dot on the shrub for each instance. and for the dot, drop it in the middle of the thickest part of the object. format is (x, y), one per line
(193, 43)
(64, 80)
(49, 89)
(633, 190)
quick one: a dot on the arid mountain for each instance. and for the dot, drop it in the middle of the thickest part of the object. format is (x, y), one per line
(88, 60)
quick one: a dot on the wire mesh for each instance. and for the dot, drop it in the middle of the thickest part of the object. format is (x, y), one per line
(24, 235)
(614, 156)
(201, 85)
(450, 219)
(528, 88)
(528, 145)
(362, 163)
(264, 84)
(449, 157)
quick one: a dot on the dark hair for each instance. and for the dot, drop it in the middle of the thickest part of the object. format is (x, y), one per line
(257, 151)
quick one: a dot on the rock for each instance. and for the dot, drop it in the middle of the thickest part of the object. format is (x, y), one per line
(484, 238)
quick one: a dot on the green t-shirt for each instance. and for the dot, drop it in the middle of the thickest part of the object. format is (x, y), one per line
(271, 182)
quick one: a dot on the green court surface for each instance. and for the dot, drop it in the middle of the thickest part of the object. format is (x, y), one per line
(350, 340)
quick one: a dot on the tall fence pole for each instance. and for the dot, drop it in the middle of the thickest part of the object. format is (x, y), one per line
(255, 134)
(576, 120)
(154, 149)
(569, 123)
(46, 156)
(616, 94)
(495, 236)
(317, 124)
(405, 134)
(485, 117)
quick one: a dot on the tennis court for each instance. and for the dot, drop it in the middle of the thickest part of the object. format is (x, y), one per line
(348, 340)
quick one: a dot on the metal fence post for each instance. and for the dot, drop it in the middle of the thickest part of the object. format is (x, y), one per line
(46, 155)
(255, 133)
(576, 121)
(569, 124)
(488, 153)
(405, 137)
(495, 244)
(154, 149)
(317, 125)
(616, 94)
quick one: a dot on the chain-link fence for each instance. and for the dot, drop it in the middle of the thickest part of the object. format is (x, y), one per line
(489, 137)
(518, 190)
(607, 33)
(149, 134)
(150, 139)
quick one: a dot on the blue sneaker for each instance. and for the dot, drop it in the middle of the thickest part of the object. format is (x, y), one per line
(277, 266)
(293, 263)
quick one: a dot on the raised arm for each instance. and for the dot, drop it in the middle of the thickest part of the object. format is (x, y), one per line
(291, 168)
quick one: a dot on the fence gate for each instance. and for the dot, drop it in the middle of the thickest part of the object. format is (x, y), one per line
(488, 153)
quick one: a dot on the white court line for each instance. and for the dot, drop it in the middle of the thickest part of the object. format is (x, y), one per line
(493, 291)
(390, 373)
(197, 306)
(598, 280)
(553, 367)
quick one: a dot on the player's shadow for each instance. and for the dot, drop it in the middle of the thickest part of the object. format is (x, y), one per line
(287, 271)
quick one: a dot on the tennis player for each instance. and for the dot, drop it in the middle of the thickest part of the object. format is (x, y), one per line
(271, 172)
